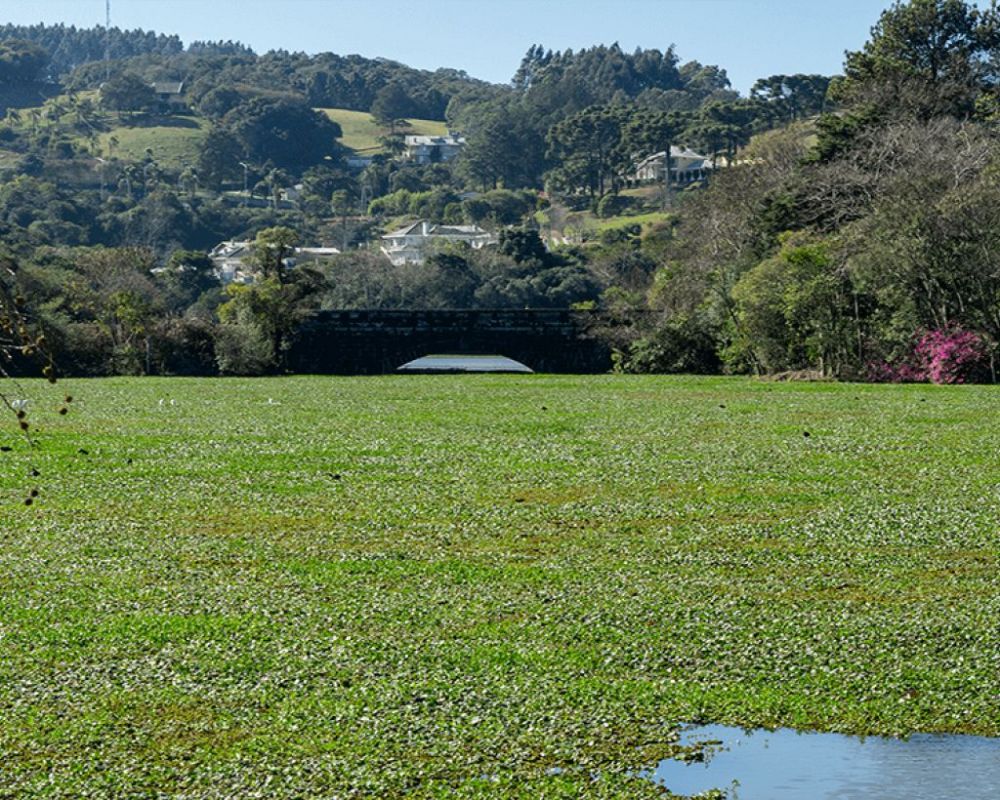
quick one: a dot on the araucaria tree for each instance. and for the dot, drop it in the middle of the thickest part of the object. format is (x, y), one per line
(587, 147)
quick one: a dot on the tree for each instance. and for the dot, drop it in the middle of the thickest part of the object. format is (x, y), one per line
(255, 321)
(586, 148)
(500, 206)
(113, 291)
(21, 62)
(734, 120)
(391, 104)
(220, 101)
(219, 158)
(187, 275)
(489, 151)
(271, 248)
(523, 245)
(925, 57)
(127, 92)
(394, 144)
(794, 96)
(286, 134)
(24, 348)
(341, 204)
(794, 311)
(276, 180)
(502, 148)
(926, 248)
(259, 320)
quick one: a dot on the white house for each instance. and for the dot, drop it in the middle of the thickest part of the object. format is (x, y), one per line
(231, 266)
(686, 167)
(304, 255)
(433, 149)
(228, 260)
(409, 245)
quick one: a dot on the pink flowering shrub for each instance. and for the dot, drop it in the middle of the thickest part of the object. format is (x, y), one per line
(939, 356)
(954, 356)
(902, 372)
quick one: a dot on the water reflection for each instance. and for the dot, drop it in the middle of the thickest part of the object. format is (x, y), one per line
(787, 765)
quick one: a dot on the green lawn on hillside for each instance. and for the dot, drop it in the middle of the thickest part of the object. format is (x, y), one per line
(174, 139)
(9, 158)
(449, 586)
(174, 146)
(585, 225)
(361, 133)
(645, 220)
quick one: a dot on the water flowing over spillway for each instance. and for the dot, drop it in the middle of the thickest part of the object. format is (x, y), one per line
(464, 363)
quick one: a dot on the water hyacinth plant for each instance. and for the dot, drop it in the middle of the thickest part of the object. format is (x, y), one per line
(483, 586)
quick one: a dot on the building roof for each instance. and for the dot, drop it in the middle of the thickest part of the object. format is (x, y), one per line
(317, 251)
(416, 141)
(168, 87)
(233, 250)
(457, 230)
(417, 229)
(408, 230)
(229, 249)
(675, 152)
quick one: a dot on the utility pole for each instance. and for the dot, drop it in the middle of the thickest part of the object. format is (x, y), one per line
(365, 195)
(246, 169)
(103, 164)
(667, 198)
(107, 40)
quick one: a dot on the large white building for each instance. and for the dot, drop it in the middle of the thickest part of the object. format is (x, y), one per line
(433, 149)
(409, 245)
(686, 166)
(232, 265)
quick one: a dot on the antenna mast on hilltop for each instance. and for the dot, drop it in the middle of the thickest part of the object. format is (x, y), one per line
(107, 39)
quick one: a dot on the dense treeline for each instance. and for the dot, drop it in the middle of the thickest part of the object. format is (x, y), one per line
(847, 229)
(68, 47)
(325, 80)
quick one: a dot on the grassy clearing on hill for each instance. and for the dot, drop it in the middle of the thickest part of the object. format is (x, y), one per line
(174, 139)
(646, 220)
(362, 134)
(447, 586)
(174, 146)
(584, 225)
(9, 158)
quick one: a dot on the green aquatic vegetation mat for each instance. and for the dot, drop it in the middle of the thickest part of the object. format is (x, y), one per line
(482, 586)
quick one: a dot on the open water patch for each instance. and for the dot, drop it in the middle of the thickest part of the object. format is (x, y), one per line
(790, 765)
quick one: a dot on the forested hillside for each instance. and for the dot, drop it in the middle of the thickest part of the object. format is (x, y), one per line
(836, 226)
(871, 252)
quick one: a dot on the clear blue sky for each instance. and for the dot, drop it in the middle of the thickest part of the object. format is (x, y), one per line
(487, 38)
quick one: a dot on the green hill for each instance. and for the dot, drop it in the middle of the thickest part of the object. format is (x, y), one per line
(361, 133)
